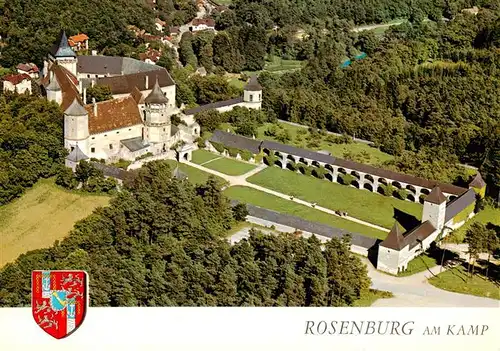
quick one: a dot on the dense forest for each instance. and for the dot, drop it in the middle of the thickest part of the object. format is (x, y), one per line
(300, 12)
(31, 142)
(160, 243)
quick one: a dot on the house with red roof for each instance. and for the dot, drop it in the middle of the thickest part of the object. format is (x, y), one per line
(79, 42)
(17, 82)
(199, 24)
(28, 68)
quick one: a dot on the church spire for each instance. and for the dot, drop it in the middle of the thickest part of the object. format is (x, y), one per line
(61, 47)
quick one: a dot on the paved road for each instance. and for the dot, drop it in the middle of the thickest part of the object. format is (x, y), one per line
(241, 180)
(412, 291)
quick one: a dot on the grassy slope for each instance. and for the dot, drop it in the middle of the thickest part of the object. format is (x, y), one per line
(42, 215)
(274, 203)
(368, 298)
(362, 204)
(457, 280)
(419, 264)
(487, 215)
(195, 176)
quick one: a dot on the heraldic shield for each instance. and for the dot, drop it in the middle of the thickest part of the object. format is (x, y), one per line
(59, 301)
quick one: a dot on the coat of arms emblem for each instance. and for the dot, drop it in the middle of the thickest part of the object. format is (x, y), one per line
(59, 301)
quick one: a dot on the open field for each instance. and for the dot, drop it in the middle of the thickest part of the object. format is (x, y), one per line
(489, 214)
(230, 167)
(458, 280)
(367, 154)
(202, 156)
(195, 176)
(274, 203)
(45, 213)
(358, 203)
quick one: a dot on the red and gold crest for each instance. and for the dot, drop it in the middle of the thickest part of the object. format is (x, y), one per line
(59, 301)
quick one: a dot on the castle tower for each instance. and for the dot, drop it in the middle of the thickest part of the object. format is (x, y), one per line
(76, 127)
(435, 208)
(54, 92)
(478, 184)
(63, 54)
(252, 94)
(157, 118)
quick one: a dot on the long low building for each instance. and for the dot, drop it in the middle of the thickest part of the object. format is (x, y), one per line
(446, 206)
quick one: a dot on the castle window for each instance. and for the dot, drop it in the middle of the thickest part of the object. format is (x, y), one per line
(92, 149)
(251, 97)
(117, 132)
(105, 135)
(163, 129)
(97, 76)
(72, 148)
(93, 138)
(259, 97)
(111, 146)
(129, 129)
(88, 75)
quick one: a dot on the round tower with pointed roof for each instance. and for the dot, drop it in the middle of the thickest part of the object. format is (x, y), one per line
(252, 94)
(54, 92)
(157, 118)
(76, 127)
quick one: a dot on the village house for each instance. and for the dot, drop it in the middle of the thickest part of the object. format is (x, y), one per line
(160, 25)
(151, 56)
(17, 82)
(199, 24)
(28, 68)
(79, 42)
(174, 31)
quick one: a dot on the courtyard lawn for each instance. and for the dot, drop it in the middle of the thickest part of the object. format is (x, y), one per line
(362, 152)
(274, 203)
(230, 167)
(202, 156)
(458, 280)
(358, 203)
(369, 297)
(195, 176)
(489, 214)
(45, 213)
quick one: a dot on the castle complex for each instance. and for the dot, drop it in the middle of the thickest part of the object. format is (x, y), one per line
(137, 121)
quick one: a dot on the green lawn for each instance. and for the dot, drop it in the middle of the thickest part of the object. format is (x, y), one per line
(458, 280)
(237, 83)
(230, 167)
(45, 213)
(489, 214)
(358, 203)
(368, 298)
(195, 176)
(202, 156)
(274, 203)
(418, 264)
(362, 152)
(278, 65)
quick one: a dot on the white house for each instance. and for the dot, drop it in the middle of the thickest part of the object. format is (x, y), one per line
(199, 24)
(17, 82)
(28, 68)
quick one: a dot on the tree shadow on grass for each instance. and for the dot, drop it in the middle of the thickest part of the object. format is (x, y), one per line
(406, 220)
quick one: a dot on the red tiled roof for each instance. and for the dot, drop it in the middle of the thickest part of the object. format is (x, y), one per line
(67, 82)
(153, 55)
(78, 38)
(206, 21)
(28, 67)
(113, 114)
(16, 78)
